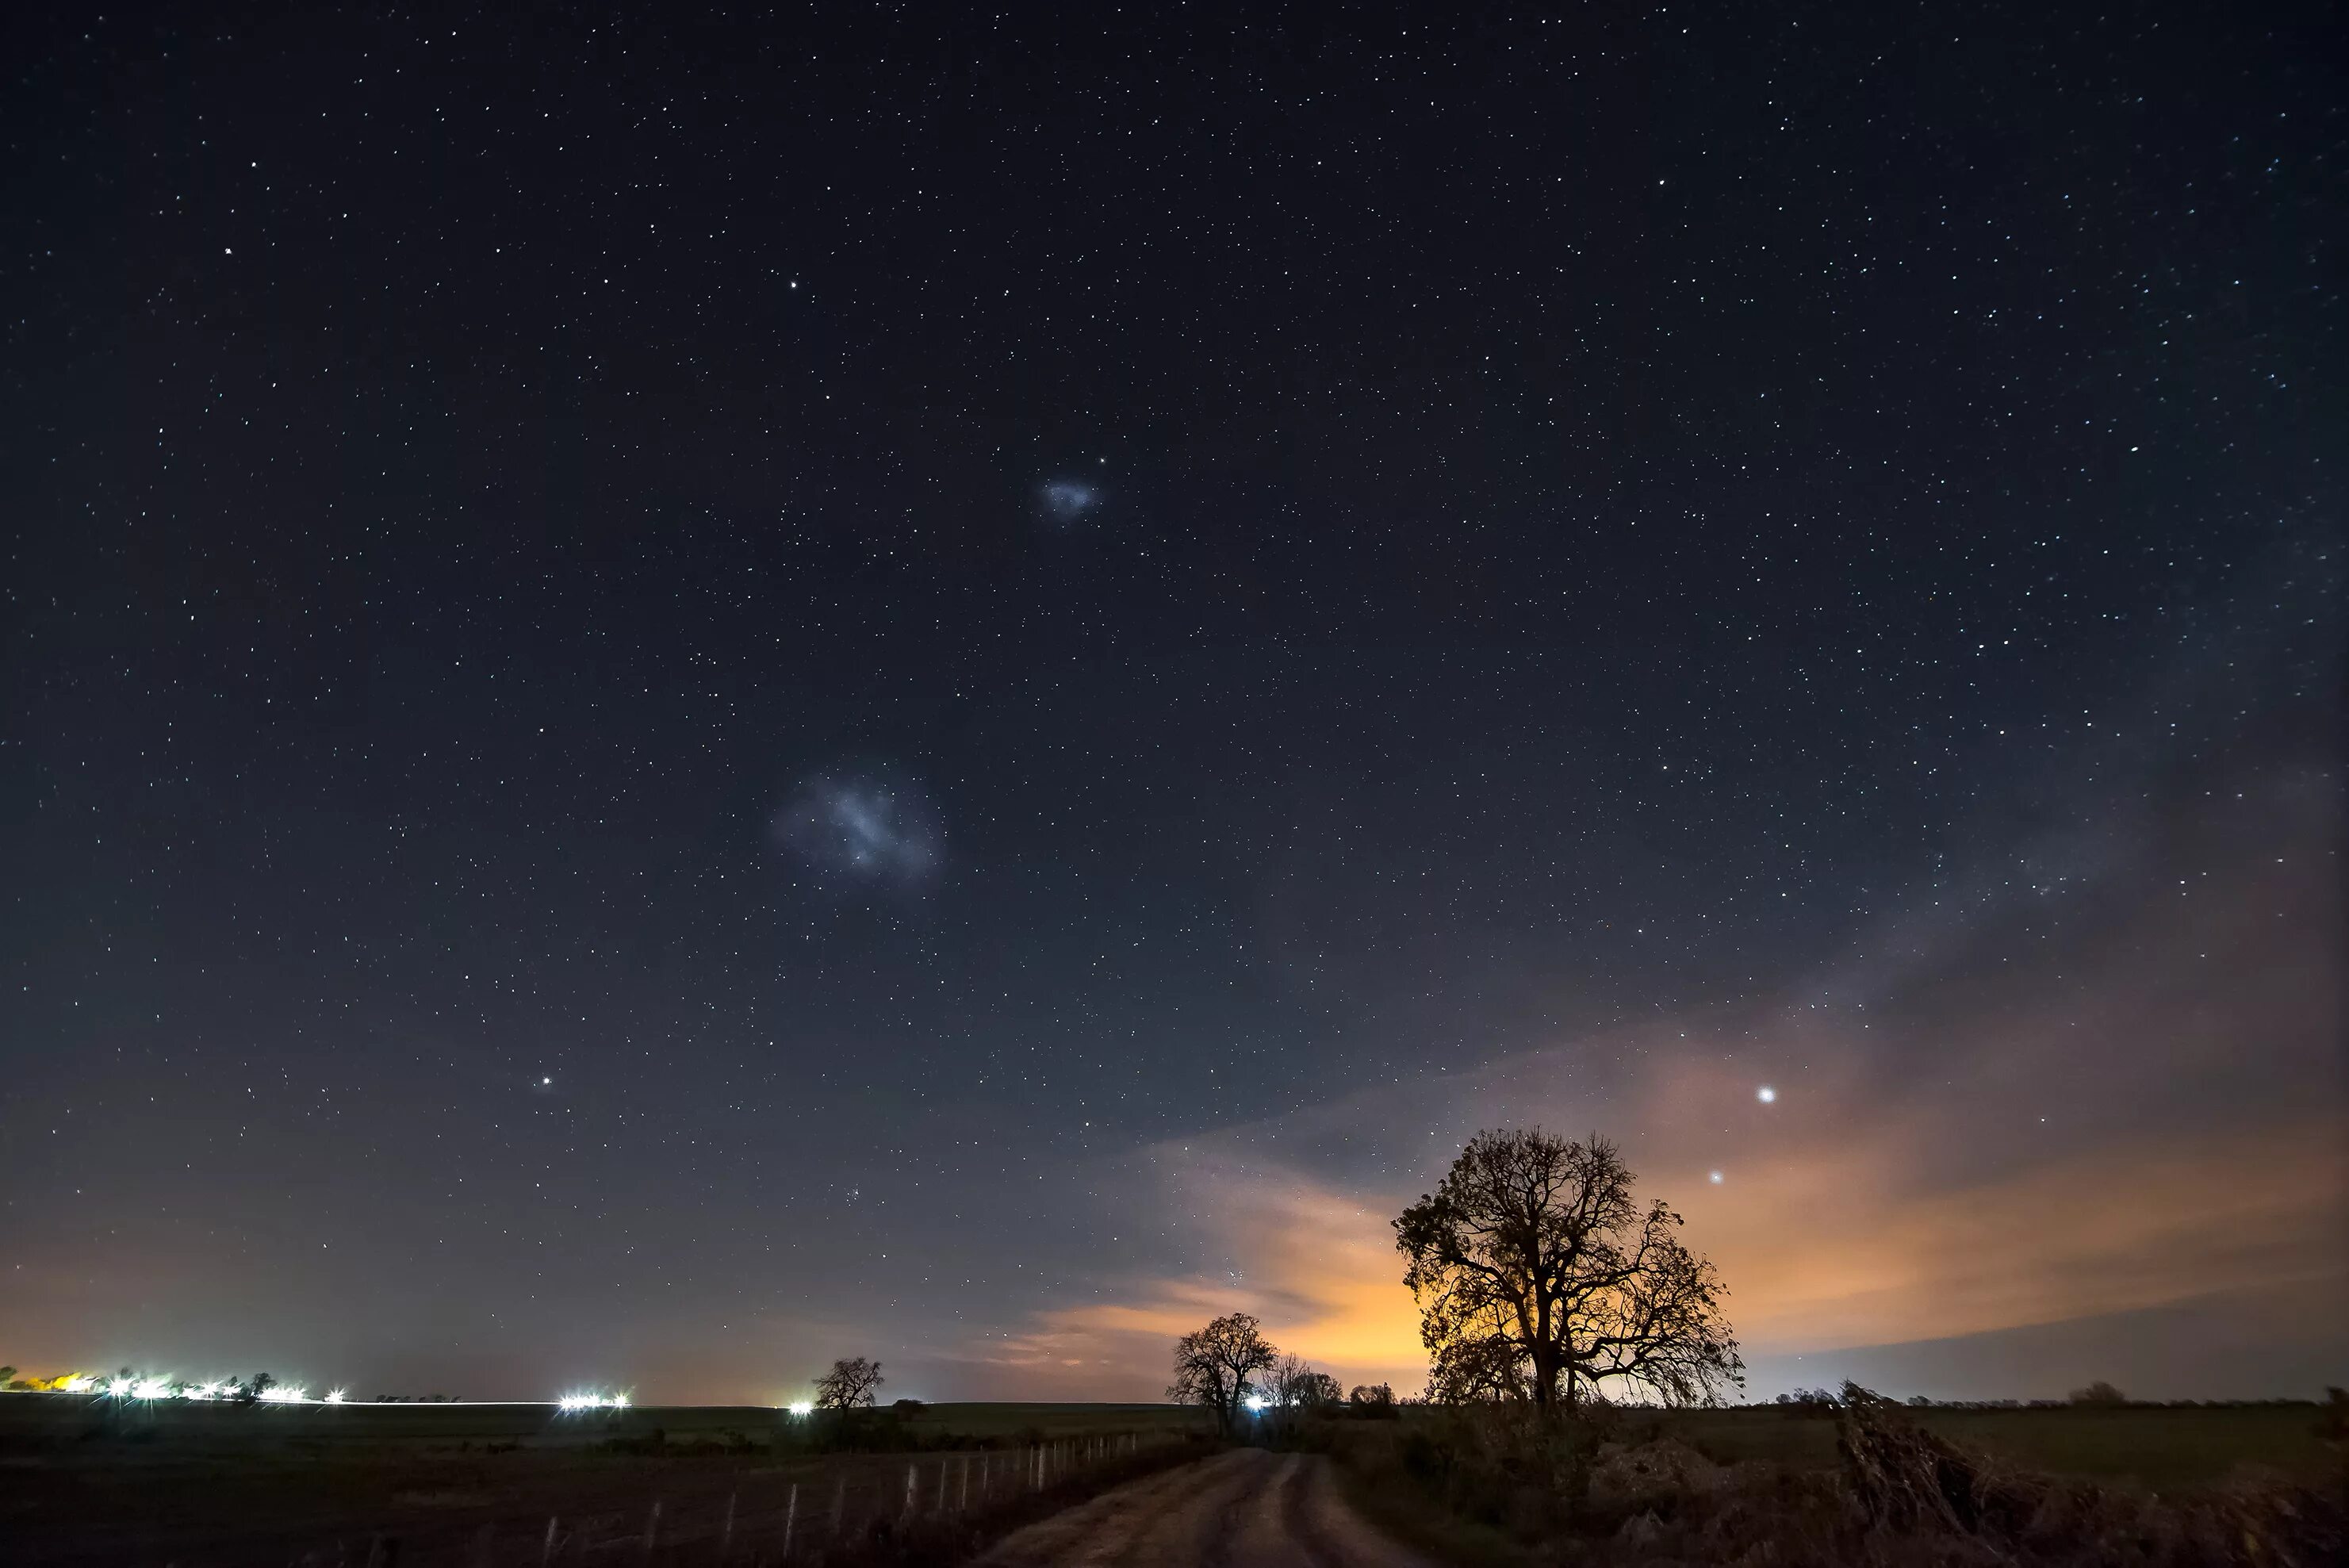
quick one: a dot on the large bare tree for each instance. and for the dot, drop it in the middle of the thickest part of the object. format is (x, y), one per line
(850, 1385)
(1213, 1366)
(1540, 1277)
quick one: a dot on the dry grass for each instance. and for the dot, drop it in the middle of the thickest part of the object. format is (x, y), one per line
(1495, 1487)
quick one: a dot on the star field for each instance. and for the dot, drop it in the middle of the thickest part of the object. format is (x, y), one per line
(685, 696)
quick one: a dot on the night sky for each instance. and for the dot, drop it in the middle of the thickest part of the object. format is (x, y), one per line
(680, 699)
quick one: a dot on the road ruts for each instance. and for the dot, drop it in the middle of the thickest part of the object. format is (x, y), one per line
(1245, 1509)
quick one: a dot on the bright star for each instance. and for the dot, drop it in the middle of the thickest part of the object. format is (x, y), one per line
(1766, 1095)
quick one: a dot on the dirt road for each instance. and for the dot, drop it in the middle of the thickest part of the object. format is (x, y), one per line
(1247, 1508)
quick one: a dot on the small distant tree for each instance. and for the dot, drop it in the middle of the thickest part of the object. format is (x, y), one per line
(1293, 1383)
(853, 1384)
(1215, 1366)
(1375, 1400)
(8, 1375)
(261, 1383)
(2098, 1393)
(906, 1408)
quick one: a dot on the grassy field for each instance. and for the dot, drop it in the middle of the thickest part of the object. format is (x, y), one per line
(41, 1419)
(86, 1481)
(992, 1421)
(2145, 1446)
(2057, 1486)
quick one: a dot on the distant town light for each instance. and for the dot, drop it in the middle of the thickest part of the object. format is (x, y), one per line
(801, 1408)
(592, 1402)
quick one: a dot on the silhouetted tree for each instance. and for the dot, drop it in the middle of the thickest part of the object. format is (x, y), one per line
(850, 1385)
(1375, 1399)
(1293, 1382)
(1215, 1366)
(2098, 1393)
(1539, 1278)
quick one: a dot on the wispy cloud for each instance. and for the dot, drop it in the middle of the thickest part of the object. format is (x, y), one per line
(2115, 1094)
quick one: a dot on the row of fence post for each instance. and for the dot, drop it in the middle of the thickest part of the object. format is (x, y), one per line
(1043, 1464)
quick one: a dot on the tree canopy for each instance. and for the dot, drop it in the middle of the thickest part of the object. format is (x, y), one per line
(1215, 1365)
(852, 1384)
(1540, 1277)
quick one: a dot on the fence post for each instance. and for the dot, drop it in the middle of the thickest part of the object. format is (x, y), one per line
(965, 1506)
(726, 1535)
(839, 1495)
(790, 1518)
(546, 1549)
(652, 1530)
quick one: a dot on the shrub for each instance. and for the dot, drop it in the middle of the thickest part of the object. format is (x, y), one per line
(2098, 1393)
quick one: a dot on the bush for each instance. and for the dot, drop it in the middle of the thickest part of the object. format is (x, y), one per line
(2098, 1393)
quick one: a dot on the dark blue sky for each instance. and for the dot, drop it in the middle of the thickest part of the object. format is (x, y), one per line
(680, 699)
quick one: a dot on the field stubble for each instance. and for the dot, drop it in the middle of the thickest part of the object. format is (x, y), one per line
(1871, 1483)
(83, 1483)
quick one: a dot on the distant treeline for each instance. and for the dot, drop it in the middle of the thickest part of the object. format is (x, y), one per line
(2095, 1395)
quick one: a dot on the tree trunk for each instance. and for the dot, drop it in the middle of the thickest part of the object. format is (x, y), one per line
(1545, 1357)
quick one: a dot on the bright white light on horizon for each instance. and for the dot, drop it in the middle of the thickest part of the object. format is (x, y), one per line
(335, 1397)
(152, 1389)
(120, 1387)
(295, 1395)
(79, 1383)
(592, 1402)
(801, 1407)
(1766, 1095)
(1256, 1404)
